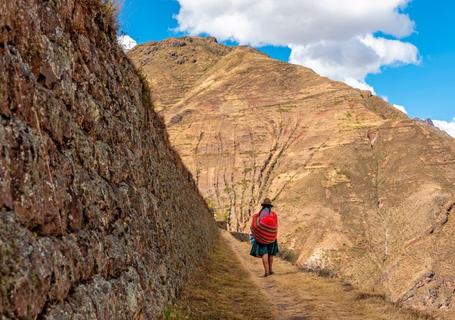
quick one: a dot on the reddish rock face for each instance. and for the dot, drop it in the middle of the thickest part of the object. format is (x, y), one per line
(362, 191)
(98, 216)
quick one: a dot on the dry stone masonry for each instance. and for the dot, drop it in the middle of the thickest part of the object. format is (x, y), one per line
(98, 216)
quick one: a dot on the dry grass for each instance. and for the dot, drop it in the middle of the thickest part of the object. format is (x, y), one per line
(306, 295)
(220, 289)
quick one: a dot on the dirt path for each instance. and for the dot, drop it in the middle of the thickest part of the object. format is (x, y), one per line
(300, 295)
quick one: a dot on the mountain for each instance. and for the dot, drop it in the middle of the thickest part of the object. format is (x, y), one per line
(99, 218)
(363, 192)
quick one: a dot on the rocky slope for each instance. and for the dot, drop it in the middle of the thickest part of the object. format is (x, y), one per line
(98, 216)
(363, 192)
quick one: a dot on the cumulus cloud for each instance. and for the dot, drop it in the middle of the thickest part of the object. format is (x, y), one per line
(447, 126)
(126, 42)
(359, 85)
(401, 108)
(335, 38)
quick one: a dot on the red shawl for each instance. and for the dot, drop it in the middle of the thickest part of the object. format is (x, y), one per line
(265, 230)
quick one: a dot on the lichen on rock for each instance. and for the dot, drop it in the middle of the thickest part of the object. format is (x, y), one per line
(98, 215)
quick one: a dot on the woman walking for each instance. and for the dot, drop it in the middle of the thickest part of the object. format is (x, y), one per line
(264, 230)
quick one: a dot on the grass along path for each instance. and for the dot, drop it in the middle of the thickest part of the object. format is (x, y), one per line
(228, 286)
(221, 290)
(300, 295)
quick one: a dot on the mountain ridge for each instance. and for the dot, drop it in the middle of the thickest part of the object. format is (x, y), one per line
(345, 168)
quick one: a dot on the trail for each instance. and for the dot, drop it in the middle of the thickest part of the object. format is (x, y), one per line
(298, 295)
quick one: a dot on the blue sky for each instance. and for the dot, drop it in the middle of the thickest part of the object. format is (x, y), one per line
(426, 89)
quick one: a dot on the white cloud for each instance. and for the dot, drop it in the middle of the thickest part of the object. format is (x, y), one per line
(362, 85)
(333, 37)
(448, 127)
(401, 108)
(126, 42)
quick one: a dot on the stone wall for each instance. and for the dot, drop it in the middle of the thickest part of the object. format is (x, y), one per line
(99, 218)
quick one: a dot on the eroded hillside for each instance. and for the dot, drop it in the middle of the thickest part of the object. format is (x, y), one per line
(98, 216)
(363, 192)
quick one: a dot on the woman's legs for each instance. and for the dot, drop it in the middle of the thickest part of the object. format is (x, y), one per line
(270, 263)
(265, 262)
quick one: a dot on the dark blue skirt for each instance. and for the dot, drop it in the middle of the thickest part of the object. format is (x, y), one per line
(258, 250)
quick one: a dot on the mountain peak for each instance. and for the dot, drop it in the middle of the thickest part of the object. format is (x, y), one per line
(357, 184)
